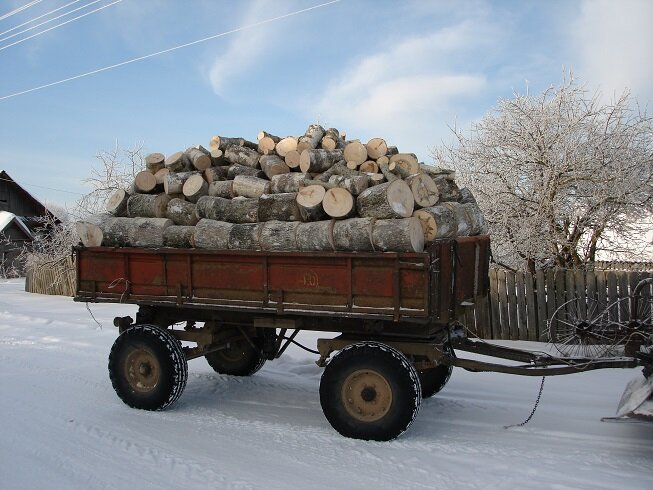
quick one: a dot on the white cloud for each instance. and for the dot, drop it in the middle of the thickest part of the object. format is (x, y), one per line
(615, 42)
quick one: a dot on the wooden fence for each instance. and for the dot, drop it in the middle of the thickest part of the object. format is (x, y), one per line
(55, 278)
(520, 304)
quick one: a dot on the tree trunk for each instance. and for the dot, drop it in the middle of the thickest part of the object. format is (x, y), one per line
(212, 234)
(280, 207)
(179, 236)
(236, 169)
(437, 222)
(89, 234)
(117, 203)
(312, 137)
(407, 161)
(176, 162)
(389, 200)
(245, 236)
(222, 188)
(309, 201)
(242, 156)
(424, 190)
(355, 151)
(376, 147)
(332, 140)
(315, 161)
(272, 165)
(353, 234)
(195, 187)
(200, 160)
(239, 210)
(355, 185)
(214, 174)
(147, 205)
(398, 235)
(160, 176)
(133, 232)
(145, 182)
(315, 236)
(155, 162)
(181, 212)
(338, 203)
(278, 235)
(285, 145)
(290, 182)
(247, 186)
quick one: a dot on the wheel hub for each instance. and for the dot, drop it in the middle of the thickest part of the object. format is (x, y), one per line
(142, 370)
(366, 395)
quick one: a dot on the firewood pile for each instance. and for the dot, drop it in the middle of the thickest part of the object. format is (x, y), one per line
(314, 192)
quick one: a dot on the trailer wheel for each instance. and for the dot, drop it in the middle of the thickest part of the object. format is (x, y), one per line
(240, 359)
(370, 391)
(147, 367)
(434, 379)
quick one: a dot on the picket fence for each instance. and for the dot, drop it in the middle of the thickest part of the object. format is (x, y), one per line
(55, 278)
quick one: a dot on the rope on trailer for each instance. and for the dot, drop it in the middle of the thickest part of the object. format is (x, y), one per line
(537, 402)
(92, 316)
(301, 346)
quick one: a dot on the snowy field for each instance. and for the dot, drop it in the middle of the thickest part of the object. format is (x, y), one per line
(63, 427)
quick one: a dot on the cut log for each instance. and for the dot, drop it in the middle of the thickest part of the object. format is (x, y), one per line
(355, 185)
(447, 189)
(133, 232)
(311, 139)
(353, 165)
(280, 207)
(355, 151)
(195, 187)
(353, 234)
(278, 235)
(245, 236)
(117, 203)
(315, 161)
(212, 234)
(176, 162)
(398, 235)
(332, 140)
(222, 188)
(376, 179)
(285, 145)
(144, 182)
(214, 174)
(90, 234)
(181, 212)
(466, 196)
(381, 160)
(272, 165)
(241, 210)
(222, 142)
(385, 170)
(463, 220)
(236, 169)
(290, 182)
(376, 147)
(267, 143)
(174, 182)
(434, 172)
(242, 156)
(315, 236)
(217, 157)
(160, 176)
(155, 162)
(478, 224)
(437, 222)
(407, 161)
(309, 202)
(147, 205)
(248, 186)
(264, 134)
(338, 203)
(424, 190)
(200, 160)
(292, 159)
(392, 150)
(369, 166)
(389, 200)
(179, 236)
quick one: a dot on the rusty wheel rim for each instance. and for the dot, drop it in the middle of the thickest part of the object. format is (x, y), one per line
(142, 370)
(366, 395)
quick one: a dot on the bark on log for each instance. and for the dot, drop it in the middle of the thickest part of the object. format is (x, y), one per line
(447, 189)
(407, 161)
(133, 232)
(463, 220)
(385, 170)
(245, 236)
(181, 212)
(478, 223)
(292, 159)
(355, 151)
(376, 179)
(466, 196)
(247, 186)
(160, 176)
(222, 188)
(176, 162)
(332, 140)
(376, 147)
(381, 160)
(174, 182)
(195, 187)
(117, 203)
(267, 142)
(231, 210)
(280, 207)
(217, 157)
(242, 156)
(286, 145)
(392, 150)
(212, 234)
(147, 205)
(434, 172)
(353, 234)
(200, 160)
(272, 165)
(315, 236)
(222, 143)
(309, 202)
(424, 190)
(338, 203)
(179, 236)
(290, 182)
(437, 222)
(89, 234)
(353, 165)
(316, 161)
(155, 162)
(264, 134)
(236, 169)
(145, 182)
(311, 139)
(278, 235)
(398, 235)
(214, 174)
(334, 170)
(389, 200)
(355, 185)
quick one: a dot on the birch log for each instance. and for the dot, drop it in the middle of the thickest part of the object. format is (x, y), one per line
(200, 160)
(353, 234)
(290, 182)
(285, 145)
(278, 235)
(437, 222)
(195, 187)
(389, 200)
(316, 161)
(237, 169)
(174, 182)
(240, 210)
(398, 235)
(376, 147)
(154, 162)
(90, 234)
(338, 203)
(292, 159)
(245, 236)
(309, 202)
(133, 232)
(214, 174)
(117, 203)
(222, 188)
(144, 182)
(424, 190)
(280, 207)
(242, 156)
(178, 236)
(160, 176)
(176, 162)
(356, 152)
(407, 161)
(147, 205)
(247, 186)
(212, 234)
(332, 140)
(462, 218)
(272, 165)
(181, 212)
(315, 236)
(311, 139)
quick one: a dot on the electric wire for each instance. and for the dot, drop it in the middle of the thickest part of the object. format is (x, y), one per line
(39, 17)
(168, 50)
(22, 184)
(55, 26)
(19, 9)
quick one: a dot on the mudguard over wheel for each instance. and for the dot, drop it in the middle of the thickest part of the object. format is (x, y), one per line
(434, 379)
(147, 367)
(240, 359)
(370, 391)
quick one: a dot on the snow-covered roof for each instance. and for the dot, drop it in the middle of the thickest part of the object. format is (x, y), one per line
(6, 218)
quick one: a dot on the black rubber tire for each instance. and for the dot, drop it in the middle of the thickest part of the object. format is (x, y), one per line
(162, 367)
(433, 380)
(241, 359)
(396, 375)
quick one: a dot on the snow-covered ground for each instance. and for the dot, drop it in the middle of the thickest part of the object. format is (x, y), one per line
(62, 426)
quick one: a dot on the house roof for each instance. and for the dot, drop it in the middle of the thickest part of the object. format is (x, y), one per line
(39, 208)
(6, 218)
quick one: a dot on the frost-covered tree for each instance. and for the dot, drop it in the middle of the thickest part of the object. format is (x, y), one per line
(560, 175)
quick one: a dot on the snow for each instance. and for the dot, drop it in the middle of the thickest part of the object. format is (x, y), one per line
(63, 426)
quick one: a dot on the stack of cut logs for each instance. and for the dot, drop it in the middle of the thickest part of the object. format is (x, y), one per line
(313, 192)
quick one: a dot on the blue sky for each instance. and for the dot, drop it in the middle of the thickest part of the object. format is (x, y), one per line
(402, 70)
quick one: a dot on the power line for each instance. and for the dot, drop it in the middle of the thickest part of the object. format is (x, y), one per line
(56, 26)
(151, 55)
(23, 184)
(37, 18)
(19, 9)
